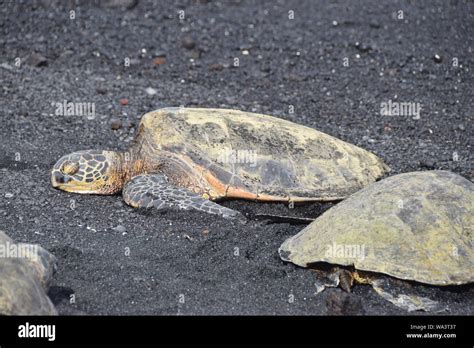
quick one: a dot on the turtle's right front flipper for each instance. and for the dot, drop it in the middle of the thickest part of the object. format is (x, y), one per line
(154, 190)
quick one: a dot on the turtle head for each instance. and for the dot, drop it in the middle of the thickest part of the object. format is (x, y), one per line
(90, 171)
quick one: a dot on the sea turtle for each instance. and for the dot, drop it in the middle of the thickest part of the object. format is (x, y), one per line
(188, 157)
(25, 273)
(415, 226)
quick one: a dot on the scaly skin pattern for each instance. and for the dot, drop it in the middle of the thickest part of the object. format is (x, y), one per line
(416, 226)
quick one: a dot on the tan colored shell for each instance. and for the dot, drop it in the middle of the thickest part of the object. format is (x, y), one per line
(416, 226)
(276, 159)
(25, 279)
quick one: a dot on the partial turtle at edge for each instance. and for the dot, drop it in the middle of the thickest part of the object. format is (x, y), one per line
(25, 273)
(415, 226)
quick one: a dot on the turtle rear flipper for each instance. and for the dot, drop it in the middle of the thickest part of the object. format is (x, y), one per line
(404, 295)
(154, 190)
(400, 293)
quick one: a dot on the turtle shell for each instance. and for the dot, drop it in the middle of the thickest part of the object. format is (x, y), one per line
(416, 226)
(24, 278)
(248, 155)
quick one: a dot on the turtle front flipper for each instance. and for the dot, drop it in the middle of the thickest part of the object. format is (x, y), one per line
(154, 190)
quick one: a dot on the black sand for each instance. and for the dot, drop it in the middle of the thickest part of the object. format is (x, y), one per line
(295, 62)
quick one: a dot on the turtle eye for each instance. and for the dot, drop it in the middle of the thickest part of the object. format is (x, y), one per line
(69, 167)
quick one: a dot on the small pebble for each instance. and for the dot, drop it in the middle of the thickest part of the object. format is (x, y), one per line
(159, 60)
(462, 127)
(120, 229)
(8, 195)
(188, 42)
(231, 100)
(37, 60)
(115, 124)
(362, 47)
(101, 90)
(265, 68)
(428, 163)
(216, 67)
(374, 25)
(128, 4)
(437, 58)
(151, 91)
(160, 54)
(368, 139)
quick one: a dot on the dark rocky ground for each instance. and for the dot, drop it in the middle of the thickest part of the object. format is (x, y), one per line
(295, 62)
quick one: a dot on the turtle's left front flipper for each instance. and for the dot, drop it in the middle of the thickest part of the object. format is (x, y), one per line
(154, 190)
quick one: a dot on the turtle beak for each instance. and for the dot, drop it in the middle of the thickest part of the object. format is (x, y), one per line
(54, 180)
(67, 183)
(58, 179)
